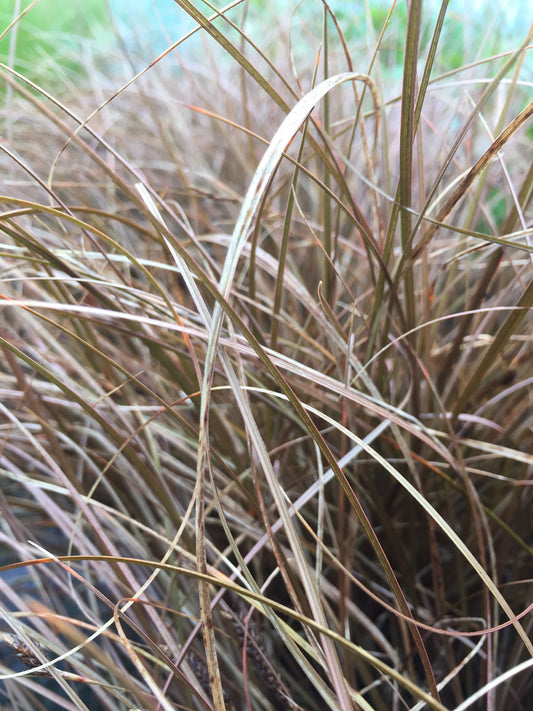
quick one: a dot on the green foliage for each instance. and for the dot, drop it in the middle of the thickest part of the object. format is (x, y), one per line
(50, 36)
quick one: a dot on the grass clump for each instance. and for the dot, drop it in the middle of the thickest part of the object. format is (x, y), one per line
(266, 422)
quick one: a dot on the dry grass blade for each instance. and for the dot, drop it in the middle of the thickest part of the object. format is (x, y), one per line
(473, 173)
(266, 420)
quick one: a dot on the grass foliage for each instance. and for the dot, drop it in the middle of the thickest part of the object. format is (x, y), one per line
(266, 385)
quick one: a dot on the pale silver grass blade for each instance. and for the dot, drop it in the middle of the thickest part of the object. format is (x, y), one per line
(312, 490)
(493, 684)
(183, 269)
(256, 191)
